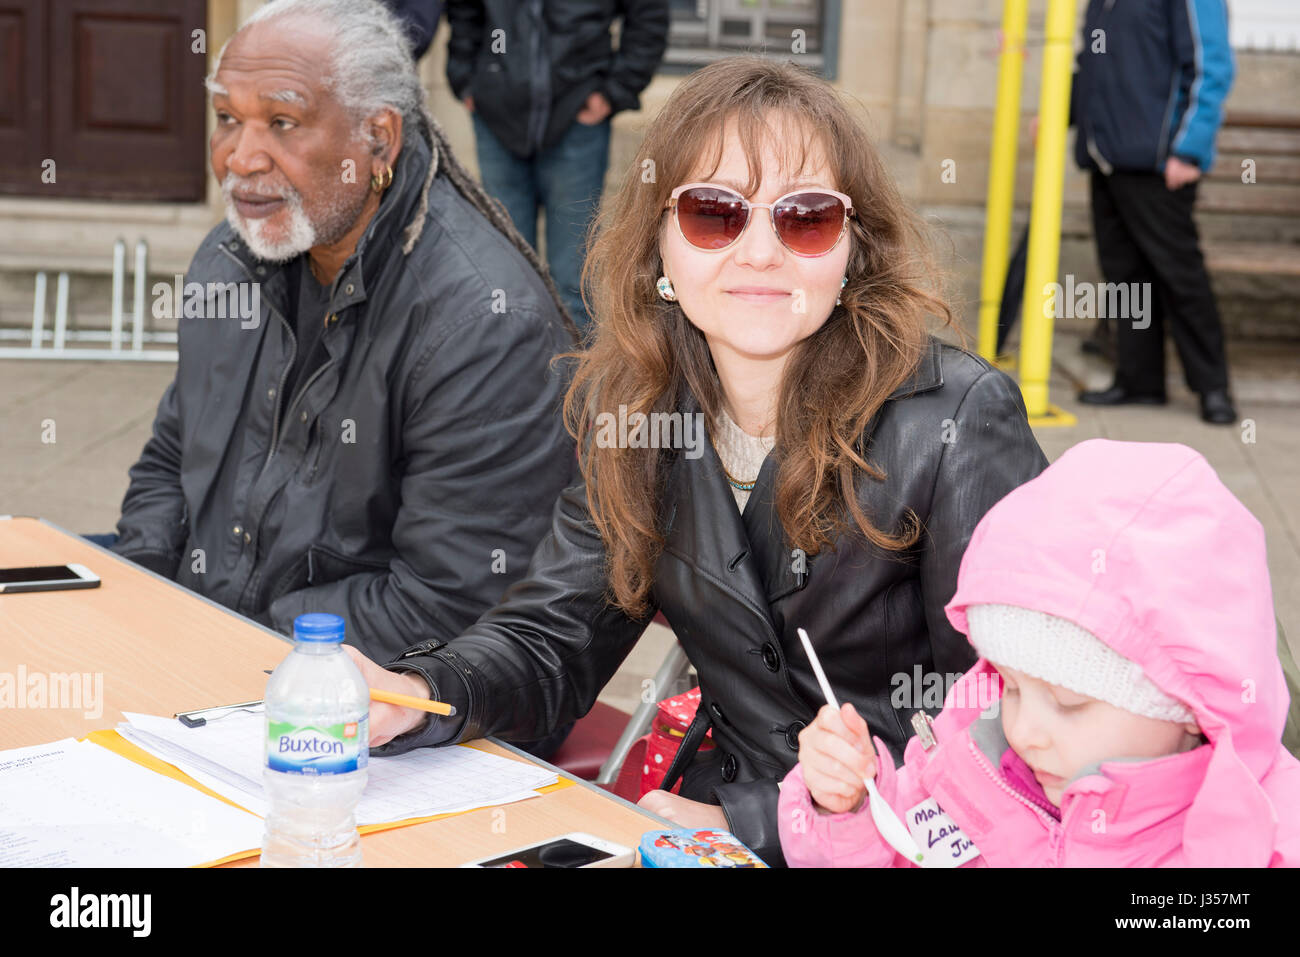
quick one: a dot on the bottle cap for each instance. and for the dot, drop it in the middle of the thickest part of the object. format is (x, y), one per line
(318, 627)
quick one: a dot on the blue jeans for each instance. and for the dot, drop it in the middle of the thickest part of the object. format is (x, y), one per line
(106, 540)
(565, 180)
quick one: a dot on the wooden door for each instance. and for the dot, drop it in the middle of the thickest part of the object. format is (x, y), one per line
(103, 98)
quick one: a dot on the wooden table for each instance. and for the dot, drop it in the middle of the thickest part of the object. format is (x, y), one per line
(159, 648)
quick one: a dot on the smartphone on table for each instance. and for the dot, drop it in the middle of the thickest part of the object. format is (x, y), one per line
(570, 850)
(46, 578)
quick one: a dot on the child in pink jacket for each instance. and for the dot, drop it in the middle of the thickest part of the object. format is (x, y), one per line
(1127, 707)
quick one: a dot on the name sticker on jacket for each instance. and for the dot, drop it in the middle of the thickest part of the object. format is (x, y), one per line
(940, 837)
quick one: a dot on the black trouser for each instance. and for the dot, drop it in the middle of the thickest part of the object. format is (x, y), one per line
(1146, 234)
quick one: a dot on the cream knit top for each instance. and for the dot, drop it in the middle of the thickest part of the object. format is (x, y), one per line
(742, 454)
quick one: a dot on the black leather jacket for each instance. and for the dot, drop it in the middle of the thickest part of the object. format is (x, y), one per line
(531, 64)
(407, 480)
(952, 441)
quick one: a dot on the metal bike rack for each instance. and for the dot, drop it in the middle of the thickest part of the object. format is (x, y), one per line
(61, 335)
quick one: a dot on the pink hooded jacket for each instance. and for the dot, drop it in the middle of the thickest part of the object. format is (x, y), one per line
(1142, 545)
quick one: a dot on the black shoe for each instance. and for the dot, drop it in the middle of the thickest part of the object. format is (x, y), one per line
(1216, 407)
(1118, 395)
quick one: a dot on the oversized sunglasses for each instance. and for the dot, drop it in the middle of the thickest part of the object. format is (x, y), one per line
(809, 222)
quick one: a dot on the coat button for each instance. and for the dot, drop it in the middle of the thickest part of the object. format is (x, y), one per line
(261, 270)
(270, 393)
(729, 768)
(717, 713)
(303, 416)
(771, 660)
(247, 538)
(792, 735)
(237, 531)
(348, 288)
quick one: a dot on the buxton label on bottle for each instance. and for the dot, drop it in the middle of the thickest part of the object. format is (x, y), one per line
(311, 749)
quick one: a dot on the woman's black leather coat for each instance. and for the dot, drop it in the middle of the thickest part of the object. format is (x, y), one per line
(952, 441)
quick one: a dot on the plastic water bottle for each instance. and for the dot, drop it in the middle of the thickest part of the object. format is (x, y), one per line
(317, 745)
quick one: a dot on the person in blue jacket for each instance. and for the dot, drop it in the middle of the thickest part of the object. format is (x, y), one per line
(1148, 101)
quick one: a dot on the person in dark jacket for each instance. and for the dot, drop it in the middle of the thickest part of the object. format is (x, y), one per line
(763, 294)
(381, 437)
(1148, 101)
(542, 79)
(419, 21)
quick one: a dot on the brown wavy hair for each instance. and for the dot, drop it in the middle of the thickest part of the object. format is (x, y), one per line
(645, 354)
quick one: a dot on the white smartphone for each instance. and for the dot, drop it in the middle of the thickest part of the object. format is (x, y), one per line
(570, 850)
(46, 578)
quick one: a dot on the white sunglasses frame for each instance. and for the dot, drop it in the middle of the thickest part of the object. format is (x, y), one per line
(849, 213)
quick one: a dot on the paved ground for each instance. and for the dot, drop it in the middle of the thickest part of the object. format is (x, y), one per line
(70, 430)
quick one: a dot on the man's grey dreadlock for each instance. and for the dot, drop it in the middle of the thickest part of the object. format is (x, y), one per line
(489, 206)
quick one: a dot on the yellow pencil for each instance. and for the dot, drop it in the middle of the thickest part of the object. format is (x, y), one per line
(407, 701)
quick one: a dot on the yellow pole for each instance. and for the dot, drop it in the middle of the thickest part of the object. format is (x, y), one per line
(1002, 172)
(1045, 216)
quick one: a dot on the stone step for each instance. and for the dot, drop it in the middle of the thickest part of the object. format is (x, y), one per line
(1256, 142)
(1259, 373)
(1268, 169)
(1264, 259)
(1215, 224)
(1248, 198)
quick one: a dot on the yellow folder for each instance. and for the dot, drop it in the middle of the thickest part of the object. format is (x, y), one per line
(114, 742)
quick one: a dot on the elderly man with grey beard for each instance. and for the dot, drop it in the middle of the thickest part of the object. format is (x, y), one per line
(385, 443)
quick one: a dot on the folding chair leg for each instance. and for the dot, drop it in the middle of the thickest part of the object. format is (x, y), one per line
(672, 671)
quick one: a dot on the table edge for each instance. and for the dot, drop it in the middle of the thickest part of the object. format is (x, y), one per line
(284, 638)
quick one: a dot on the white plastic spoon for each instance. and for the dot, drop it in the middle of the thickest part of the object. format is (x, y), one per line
(890, 827)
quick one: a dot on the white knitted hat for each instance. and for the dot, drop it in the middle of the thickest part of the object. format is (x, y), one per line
(1059, 652)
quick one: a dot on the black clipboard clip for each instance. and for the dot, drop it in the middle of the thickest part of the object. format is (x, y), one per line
(190, 719)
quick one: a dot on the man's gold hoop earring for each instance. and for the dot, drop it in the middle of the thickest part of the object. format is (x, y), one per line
(383, 181)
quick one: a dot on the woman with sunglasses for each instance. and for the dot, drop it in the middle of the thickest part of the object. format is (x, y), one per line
(757, 270)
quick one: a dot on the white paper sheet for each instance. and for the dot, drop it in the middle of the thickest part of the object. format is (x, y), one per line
(70, 804)
(227, 755)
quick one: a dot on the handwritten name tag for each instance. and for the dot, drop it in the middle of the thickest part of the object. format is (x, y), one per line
(939, 836)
